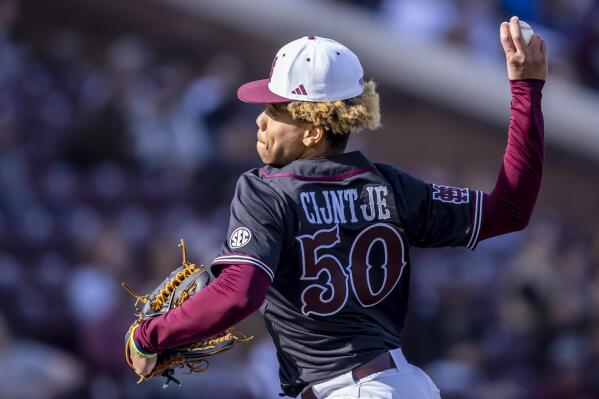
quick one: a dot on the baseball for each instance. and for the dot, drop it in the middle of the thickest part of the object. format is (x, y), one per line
(526, 32)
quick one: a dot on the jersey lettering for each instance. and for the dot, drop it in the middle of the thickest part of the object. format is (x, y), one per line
(382, 202)
(351, 196)
(339, 206)
(327, 213)
(328, 299)
(369, 216)
(313, 198)
(305, 199)
(449, 194)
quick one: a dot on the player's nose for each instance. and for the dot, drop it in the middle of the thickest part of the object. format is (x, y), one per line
(261, 121)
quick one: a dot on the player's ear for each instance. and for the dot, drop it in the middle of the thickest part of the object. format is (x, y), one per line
(313, 135)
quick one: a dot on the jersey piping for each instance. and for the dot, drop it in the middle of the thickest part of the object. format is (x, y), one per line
(478, 210)
(243, 259)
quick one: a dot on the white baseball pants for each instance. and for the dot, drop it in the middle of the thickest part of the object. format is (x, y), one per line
(406, 381)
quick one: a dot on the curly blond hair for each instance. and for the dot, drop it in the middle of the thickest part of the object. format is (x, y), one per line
(340, 116)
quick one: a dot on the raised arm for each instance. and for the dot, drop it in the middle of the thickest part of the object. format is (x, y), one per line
(509, 206)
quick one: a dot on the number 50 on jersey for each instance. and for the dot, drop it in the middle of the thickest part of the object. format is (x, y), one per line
(343, 280)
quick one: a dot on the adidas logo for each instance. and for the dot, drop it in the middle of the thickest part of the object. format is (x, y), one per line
(300, 90)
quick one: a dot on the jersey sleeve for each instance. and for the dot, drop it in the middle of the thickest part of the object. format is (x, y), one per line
(436, 215)
(256, 228)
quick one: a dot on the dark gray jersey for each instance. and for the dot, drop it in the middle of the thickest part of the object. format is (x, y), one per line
(333, 234)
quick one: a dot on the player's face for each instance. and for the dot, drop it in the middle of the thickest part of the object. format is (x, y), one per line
(280, 138)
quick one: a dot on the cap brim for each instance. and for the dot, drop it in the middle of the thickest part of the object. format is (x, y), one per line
(257, 92)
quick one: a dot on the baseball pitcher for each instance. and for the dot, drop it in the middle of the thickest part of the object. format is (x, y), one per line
(319, 239)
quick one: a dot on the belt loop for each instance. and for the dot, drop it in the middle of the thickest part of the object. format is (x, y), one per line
(399, 359)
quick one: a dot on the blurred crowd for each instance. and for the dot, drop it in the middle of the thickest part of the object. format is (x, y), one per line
(570, 26)
(518, 318)
(111, 151)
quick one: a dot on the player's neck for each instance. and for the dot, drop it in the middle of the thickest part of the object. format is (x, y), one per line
(319, 152)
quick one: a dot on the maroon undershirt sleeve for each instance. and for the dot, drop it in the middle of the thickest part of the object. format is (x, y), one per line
(509, 206)
(237, 292)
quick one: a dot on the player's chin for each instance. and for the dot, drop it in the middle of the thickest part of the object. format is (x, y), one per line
(263, 153)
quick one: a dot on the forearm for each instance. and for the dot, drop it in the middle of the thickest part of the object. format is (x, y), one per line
(509, 206)
(237, 292)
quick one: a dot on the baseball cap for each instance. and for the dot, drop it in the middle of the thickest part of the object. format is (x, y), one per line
(311, 68)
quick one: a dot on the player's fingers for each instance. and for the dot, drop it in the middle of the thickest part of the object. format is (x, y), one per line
(506, 39)
(517, 37)
(535, 43)
(543, 48)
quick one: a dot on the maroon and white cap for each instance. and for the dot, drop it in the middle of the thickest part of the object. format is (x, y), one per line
(308, 69)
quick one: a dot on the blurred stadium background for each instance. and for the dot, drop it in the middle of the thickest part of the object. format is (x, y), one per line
(120, 133)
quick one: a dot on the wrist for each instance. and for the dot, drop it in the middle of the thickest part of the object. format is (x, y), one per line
(530, 80)
(137, 348)
(529, 84)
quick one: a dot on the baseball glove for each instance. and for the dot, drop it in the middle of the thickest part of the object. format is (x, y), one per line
(178, 287)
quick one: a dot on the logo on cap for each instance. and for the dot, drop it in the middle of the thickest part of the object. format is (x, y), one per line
(300, 90)
(272, 67)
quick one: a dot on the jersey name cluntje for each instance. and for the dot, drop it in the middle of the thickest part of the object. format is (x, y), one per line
(333, 234)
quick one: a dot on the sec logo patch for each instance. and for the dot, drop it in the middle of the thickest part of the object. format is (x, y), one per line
(240, 237)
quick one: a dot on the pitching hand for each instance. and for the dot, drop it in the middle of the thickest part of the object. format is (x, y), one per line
(523, 61)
